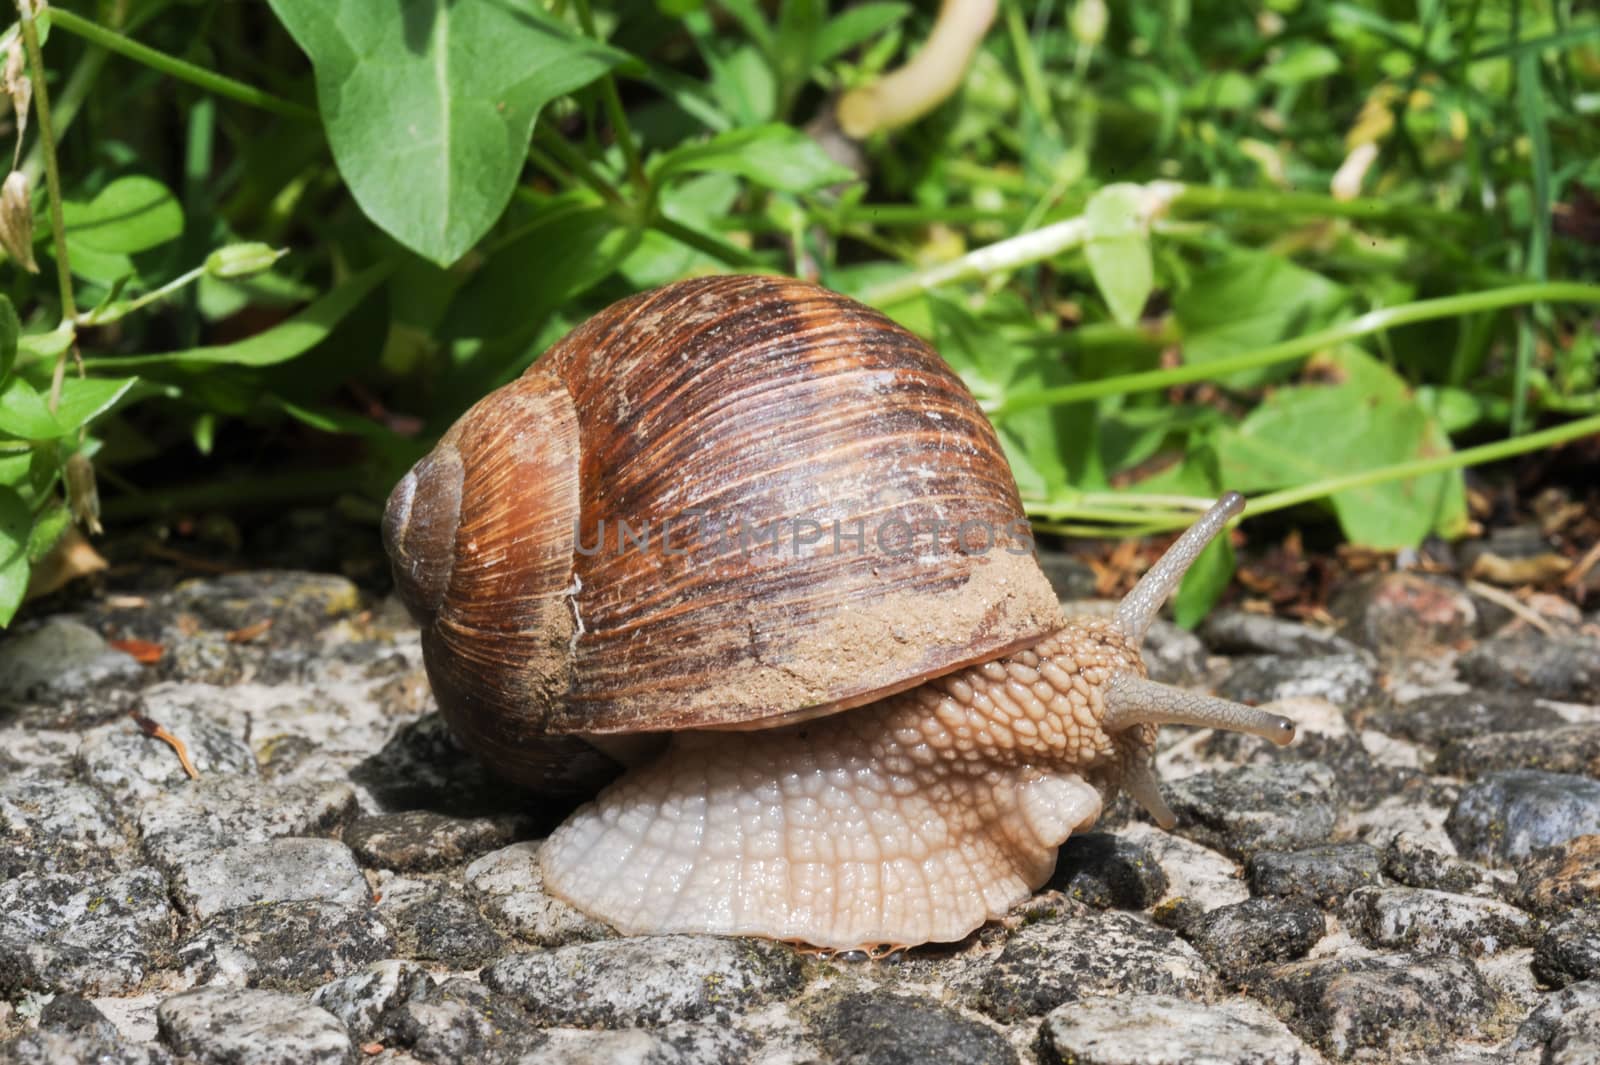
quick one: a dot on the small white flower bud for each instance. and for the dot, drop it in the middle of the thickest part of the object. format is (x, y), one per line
(16, 220)
(241, 260)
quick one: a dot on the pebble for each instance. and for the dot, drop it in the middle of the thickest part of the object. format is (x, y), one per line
(1089, 953)
(1108, 871)
(61, 659)
(889, 1029)
(1349, 681)
(1572, 1011)
(1399, 615)
(120, 758)
(1163, 1030)
(459, 1020)
(438, 924)
(508, 884)
(1254, 808)
(215, 813)
(1382, 1007)
(1240, 632)
(1173, 655)
(1237, 939)
(1566, 668)
(1409, 859)
(1436, 922)
(1569, 950)
(291, 945)
(1560, 749)
(1439, 717)
(44, 1046)
(94, 935)
(1322, 874)
(286, 869)
(422, 840)
(1559, 878)
(217, 1026)
(1506, 816)
(362, 999)
(50, 825)
(646, 980)
(676, 1044)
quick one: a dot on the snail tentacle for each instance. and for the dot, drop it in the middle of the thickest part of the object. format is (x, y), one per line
(1139, 781)
(1133, 700)
(1139, 607)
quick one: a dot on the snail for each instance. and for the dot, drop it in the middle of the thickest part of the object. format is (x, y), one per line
(758, 544)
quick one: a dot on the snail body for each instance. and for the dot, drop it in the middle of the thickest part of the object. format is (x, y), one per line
(759, 544)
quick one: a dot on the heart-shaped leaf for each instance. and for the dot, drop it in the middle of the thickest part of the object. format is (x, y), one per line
(429, 104)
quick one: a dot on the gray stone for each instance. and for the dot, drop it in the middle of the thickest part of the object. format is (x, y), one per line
(1174, 655)
(1440, 717)
(1236, 939)
(1553, 1013)
(440, 925)
(1381, 1007)
(1557, 667)
(1436, 922)
(362, 999)
(1108, 872)
(298, 604)
(46, 1047)
(1162, 1030)
(676, 1044)
(1323, 874)
(286, 869)
(1254, 808)
(1569, 950)
(218, 1026)
(1239, 632)
(50, 825)
(1576, 1040)
(1071, 577)
(1506, 816)
(1400, 615)
(421, 840)
(879, 1028)
(1555, 879)
(95, 935)
(292, 945)
(215, 813)
(648, 980)
(1409, 859)
(509, 886)
(460, 1020)
(1091, 953)
(1347, 681)
(1562, 749)
(61, 659)
(119, 757)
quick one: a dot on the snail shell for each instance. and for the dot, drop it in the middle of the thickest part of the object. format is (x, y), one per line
(588, 548)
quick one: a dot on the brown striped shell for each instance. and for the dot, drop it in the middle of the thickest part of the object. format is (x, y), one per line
(591, 549)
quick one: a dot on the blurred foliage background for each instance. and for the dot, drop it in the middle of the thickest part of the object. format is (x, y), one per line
(1327, 252)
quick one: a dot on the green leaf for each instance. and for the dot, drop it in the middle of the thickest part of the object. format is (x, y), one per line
(47, 529)
(15, 525)
(854, 25)
(1118, 250)
(429, 114)
(44, 347)
(86, 398)
(773, 156)
(1308, 433)
(1247, 302)
(287, 340)
(132, 214)
(24, 414)
(10, 328)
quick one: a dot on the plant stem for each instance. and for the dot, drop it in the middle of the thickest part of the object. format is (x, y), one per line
(236, 491)
(114, 312)
(1472, 456)
(52, 172)
(574, 160)
(178, 68)
(720, 250)
(619, 117)
(1360, 326)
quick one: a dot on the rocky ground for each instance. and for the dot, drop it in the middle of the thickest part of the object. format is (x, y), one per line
(1416, 879)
